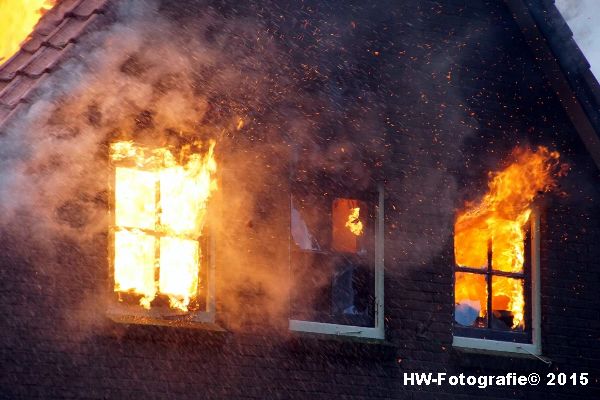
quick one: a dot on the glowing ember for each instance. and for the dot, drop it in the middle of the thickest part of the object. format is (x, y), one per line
(17, 20)
(501, 218)
(353, 223)
(160, 211)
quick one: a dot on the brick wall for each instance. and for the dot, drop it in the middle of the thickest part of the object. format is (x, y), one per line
(454, 87)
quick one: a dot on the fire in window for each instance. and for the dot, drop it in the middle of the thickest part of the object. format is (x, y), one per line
(492, 242)
(334, 266)
(159, 242)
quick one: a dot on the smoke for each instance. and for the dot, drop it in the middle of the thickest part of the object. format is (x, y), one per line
(162, 74)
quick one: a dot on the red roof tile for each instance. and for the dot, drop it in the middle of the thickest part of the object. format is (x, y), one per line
(88, 7)
(9, 70)
(48, 45)
(34, 42)
(68, 31)
(42, 61)
(17, 91)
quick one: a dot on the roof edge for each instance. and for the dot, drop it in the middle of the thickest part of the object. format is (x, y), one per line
(571, 79)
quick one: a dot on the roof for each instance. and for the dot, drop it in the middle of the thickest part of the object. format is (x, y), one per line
(53, 37)
(564, 65)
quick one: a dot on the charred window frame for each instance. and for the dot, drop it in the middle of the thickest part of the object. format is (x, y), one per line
(337, 284)
(492, 334)
(126, 306)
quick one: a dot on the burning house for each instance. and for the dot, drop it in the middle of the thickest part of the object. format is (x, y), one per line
(279, 199)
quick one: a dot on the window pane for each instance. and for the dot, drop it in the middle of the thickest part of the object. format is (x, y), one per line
(508, 303)
(301, 234)
(183, 199)
(353, 292)
(348, 225)
(508, 246)
(470, 246)
(470, 296)
(134, 264)
(179, 270)
(311, 291)
(311, 222)
(135, 198)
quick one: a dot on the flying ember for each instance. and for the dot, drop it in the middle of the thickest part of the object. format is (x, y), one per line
(491, 233)
(161, 199)
(17, 20)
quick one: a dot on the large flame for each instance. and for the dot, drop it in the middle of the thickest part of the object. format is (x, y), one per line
(501, 218)
(17, 20)
(160, 211)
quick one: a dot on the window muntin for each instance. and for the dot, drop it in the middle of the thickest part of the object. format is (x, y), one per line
(492, 301)
(159, 245)
(527, 340)
(336, 262)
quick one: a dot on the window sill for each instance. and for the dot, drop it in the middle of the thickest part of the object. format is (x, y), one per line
(335, 330)
(134, 316)
(496, 347)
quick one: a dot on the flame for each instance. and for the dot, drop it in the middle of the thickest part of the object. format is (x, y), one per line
(501, 217)
(160, 211)
(347, 227)
(353, 223)
(17, 20)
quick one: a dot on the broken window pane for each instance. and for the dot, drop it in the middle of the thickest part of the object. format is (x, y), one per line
(508, 246)
(471, 246)
(134, 263)
(470, 296)
(178, 270)
(135, 198)
(508, 303)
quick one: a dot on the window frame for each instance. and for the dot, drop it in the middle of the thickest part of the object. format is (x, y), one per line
(157, 315)
(378, 330)
(505, 346)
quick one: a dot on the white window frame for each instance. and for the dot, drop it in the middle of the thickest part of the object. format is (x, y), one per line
(378, 330)
(498, 346)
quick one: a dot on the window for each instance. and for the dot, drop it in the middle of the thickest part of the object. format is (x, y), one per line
(497, 257)
(496, 288)
(336, 259)
(160, 248)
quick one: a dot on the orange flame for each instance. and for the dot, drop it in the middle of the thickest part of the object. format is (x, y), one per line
(17, 20)
(354, 223)
(160, 211)
(501, 217)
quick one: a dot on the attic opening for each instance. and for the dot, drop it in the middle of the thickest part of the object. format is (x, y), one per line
(160, 243)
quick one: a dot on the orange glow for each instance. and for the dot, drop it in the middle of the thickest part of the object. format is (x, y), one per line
(17, 20)
(160, 209)
(502, 217)
(353, 223)
(347, 227)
